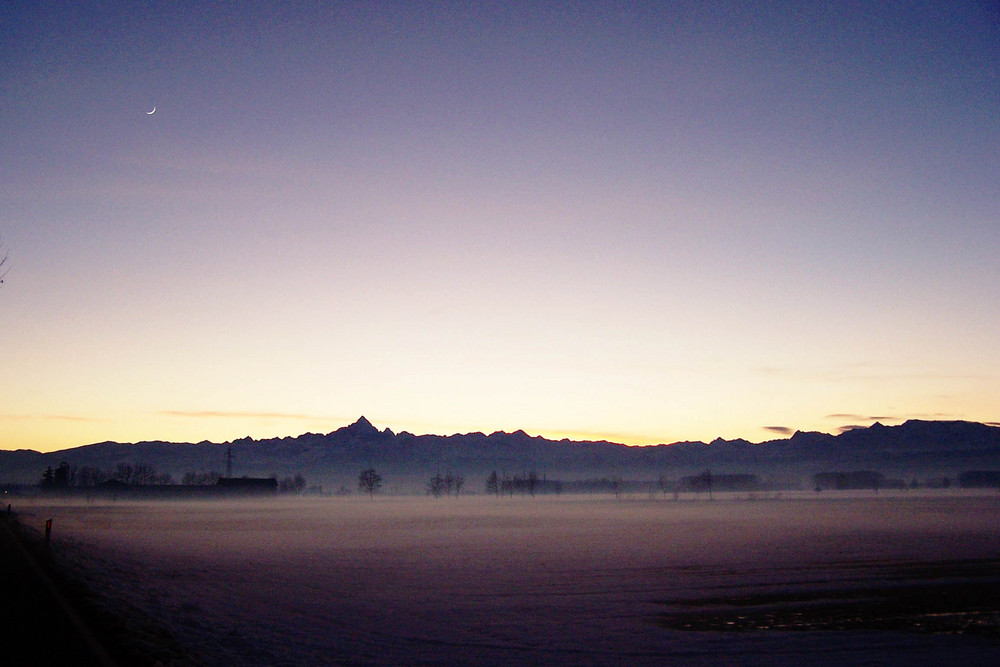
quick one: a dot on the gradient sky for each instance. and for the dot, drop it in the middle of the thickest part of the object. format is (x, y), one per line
(645, 222)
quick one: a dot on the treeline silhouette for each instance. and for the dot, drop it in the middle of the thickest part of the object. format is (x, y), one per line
(523, 484)
(446, 484)
(67, 476)
(138, 476)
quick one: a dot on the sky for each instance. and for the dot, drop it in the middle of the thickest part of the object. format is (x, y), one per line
(640, 222)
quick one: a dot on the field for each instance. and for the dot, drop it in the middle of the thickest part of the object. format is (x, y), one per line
(810, 579)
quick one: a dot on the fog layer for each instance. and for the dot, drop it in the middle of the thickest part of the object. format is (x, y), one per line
(487, 580)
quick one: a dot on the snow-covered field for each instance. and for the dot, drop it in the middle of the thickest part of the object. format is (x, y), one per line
(548, 580)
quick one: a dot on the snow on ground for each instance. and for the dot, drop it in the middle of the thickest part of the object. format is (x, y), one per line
(547, 580)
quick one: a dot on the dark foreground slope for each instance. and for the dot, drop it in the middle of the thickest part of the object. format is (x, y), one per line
(49, 618)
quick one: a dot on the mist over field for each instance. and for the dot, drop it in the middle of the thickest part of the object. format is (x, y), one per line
(916, 453)
(550, 580)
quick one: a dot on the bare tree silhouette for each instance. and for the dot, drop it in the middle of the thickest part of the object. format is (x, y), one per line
(661, 482)
(706, 478)
(370, 482)
(493, 484)
(445, 484)
(3, 261)
(435, 487)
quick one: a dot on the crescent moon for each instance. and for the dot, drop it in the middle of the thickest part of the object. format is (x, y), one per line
(150, 113)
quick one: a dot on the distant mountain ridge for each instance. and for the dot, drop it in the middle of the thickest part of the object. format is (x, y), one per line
(913, 448)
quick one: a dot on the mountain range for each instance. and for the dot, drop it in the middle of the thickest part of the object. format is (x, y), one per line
(914, 449)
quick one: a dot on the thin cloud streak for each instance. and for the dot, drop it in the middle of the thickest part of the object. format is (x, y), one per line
(857, 417)
(863, 372)
(221, 414)
(894, 418)
(67, 418)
